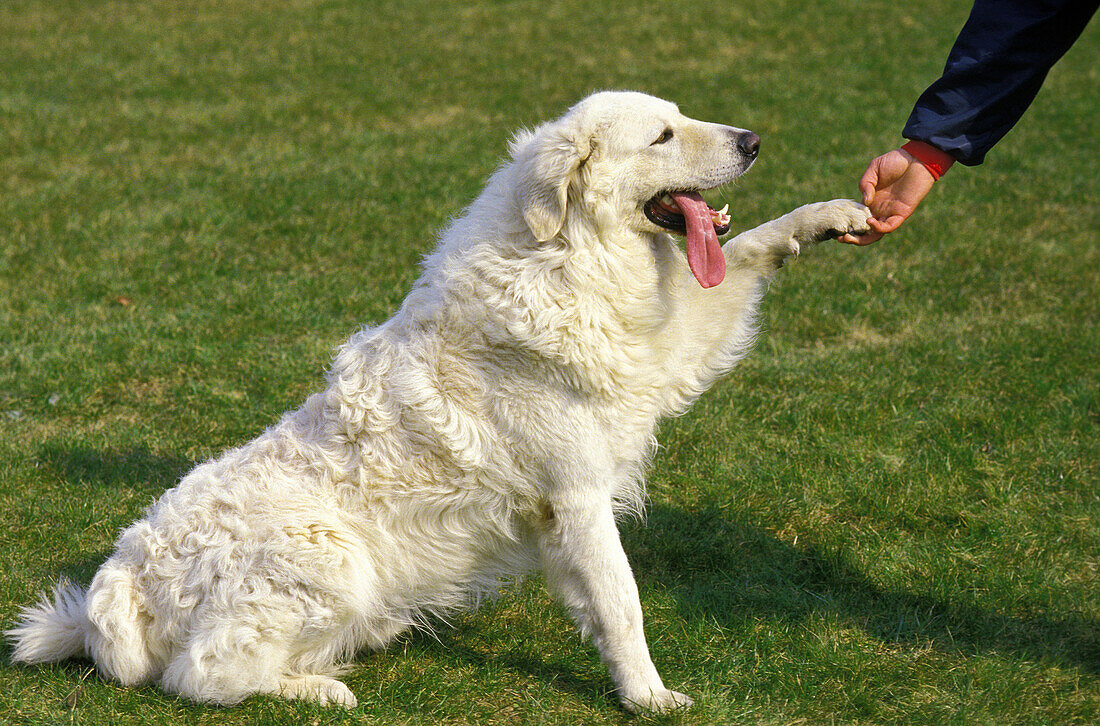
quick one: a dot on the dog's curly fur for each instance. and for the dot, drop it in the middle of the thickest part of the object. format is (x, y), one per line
(496, 424)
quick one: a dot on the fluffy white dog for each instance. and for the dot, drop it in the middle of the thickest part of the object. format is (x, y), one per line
(496, 424)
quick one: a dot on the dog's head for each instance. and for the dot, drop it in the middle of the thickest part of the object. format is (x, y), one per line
(628, 159)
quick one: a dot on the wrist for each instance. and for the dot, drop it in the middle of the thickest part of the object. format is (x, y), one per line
(935, 161)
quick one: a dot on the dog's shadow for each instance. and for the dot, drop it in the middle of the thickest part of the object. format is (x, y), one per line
(135, 468)
(720, 569)
(735, 572)
(131, 477)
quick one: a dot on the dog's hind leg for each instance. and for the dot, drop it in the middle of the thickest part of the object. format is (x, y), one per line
(255, 648)
(225, 665)
(229, 664)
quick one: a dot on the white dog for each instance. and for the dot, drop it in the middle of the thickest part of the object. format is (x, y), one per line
(496, 424)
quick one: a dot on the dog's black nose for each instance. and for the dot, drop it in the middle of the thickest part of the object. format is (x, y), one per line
(749, 144)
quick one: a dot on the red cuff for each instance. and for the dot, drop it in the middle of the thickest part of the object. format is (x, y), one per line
(935, 161)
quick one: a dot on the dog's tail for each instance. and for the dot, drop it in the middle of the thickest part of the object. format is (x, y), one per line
(104, 623)
(54, 629)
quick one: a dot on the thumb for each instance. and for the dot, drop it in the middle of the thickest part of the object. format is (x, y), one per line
(868, 182)
(867, 188)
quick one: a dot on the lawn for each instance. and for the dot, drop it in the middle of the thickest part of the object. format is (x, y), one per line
(889, 513)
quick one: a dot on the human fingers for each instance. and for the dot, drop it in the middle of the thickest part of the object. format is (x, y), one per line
(886, 226)
(860, 240)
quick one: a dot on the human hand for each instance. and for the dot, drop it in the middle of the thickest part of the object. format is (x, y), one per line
(893, 185)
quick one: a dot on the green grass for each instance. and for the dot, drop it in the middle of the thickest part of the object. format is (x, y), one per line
(888, 514)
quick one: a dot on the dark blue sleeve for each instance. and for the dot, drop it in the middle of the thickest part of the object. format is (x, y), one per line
(994, 70)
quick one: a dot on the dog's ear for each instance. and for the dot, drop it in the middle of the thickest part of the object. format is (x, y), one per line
(547, 160)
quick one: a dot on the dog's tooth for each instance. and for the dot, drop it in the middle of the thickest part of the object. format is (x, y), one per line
(719, 215)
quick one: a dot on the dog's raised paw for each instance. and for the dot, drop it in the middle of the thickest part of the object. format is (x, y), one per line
(841, 217)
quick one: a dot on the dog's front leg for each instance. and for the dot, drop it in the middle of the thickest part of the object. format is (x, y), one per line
(767, 246)
(585, 565)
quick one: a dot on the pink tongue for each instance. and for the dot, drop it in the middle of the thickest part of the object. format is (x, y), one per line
(704, 254)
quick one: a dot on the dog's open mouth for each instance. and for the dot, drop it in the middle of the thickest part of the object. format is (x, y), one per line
(687, 213)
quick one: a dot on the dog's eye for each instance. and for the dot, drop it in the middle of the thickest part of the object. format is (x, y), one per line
(665, 136)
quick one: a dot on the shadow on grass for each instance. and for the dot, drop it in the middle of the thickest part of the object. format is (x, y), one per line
(126, 474)
(735, 573)
(728, 570)
(135, 468)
